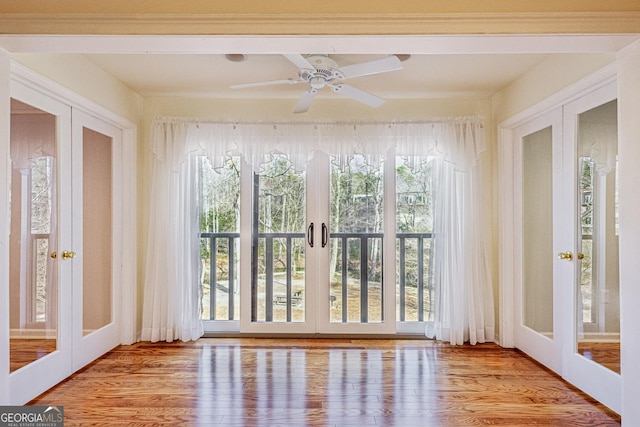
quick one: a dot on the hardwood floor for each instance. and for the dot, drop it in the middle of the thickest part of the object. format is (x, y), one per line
(24, 351)
(324, 382)
(605, 353)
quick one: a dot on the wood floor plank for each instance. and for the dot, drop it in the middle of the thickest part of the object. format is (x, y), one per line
(320, 382)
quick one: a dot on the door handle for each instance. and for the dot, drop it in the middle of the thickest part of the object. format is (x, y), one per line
(310, 235)
(568, 256)
(325, 234)
(65, 255)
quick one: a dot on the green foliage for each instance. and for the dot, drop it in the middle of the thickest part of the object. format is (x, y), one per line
(414, 200)
(220, 200)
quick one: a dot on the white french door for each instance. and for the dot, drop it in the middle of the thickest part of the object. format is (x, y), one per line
(65, 217)
(538, 201)
(319, 268)
(565, 257)
(97, 214)
(41, 229)
(591, 351)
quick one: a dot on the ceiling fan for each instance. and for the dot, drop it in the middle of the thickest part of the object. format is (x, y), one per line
(321, 71)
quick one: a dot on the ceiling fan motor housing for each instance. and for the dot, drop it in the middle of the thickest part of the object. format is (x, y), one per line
(326, 70)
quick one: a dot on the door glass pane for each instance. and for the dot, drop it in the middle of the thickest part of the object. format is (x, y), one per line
(33, 317)
(278, 283)
(598, 321)
(97, 243)
(356, 196)
(537, 229)
(219, 239)
(414, 226)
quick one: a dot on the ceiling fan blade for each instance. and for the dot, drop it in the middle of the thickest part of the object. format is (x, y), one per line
(269, 83)
(305, 101)
(299, 61)
(358, 95)
(390, 63)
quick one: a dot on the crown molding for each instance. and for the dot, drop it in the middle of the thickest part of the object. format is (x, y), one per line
(323, 24)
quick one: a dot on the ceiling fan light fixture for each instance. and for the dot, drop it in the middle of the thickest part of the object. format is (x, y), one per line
(317, 82)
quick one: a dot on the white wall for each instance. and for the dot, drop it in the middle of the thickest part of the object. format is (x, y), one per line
(548, 77)
(82, 76)
(629, 173)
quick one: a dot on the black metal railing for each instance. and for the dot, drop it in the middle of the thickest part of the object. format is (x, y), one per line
(212, 243)
(419, 253)
(288, 298)
(423, 277)
(363, 239)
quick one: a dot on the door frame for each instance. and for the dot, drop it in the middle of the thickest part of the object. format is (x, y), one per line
(127, 265)
(317, 300)
(129, 155)
(506, 189)
(508, 274)
(5, 170)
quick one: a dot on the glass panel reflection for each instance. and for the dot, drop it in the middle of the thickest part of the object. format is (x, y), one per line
(32, 277)
(537, 229)
(278, 284)
(598, 299)
(97, 231)
(357, 202)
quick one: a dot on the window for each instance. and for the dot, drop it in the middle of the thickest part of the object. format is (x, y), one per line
(219, 239)
(278, 261)
(354, 235)
(414, 243)
(345, 241)
(356, 240)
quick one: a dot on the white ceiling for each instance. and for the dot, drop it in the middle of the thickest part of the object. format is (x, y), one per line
(210, 75)
(440, 66)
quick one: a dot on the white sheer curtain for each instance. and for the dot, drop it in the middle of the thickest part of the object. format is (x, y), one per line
(172, 291)
(463, 307)
(464, 300)
(463, 295)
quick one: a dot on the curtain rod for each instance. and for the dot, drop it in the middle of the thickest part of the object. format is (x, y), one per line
(458, 119)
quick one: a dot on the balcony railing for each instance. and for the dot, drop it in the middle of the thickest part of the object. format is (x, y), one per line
(212, 241)
(288, 298)
(275, 287)
(423, 279)
(363, 240)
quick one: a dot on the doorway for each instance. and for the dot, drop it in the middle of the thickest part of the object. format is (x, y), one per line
(341, 245)
(317, 247)
(65, 221)
(565, 257)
